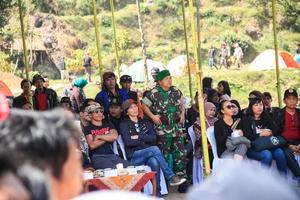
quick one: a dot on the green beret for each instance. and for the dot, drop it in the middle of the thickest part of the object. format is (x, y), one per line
(162, 74)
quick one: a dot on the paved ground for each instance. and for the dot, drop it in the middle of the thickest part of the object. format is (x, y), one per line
(174, 195)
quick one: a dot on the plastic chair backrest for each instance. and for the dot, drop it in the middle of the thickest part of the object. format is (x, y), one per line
(211, 138)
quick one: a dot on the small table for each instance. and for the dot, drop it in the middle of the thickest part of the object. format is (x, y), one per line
(134, 182)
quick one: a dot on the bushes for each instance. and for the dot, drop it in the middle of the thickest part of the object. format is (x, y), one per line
(4, 63)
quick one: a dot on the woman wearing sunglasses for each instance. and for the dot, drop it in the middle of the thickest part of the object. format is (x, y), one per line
(140, 142)
(225, 128)
(258, 123)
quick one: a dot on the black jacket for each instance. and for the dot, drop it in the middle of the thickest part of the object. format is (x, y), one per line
(249, 129)
(222, 131)
(280, 120)
(52, 100)
(147, 135)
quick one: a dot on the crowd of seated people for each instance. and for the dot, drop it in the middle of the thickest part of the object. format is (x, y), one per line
(153, 127)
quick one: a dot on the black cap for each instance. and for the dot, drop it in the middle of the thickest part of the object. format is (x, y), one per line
(125, 78)
(115, 102)
(37, 77)
(290, 92)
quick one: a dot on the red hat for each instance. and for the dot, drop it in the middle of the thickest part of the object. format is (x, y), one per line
(127, 104)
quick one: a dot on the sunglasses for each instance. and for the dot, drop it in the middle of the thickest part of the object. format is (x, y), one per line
(230, 106)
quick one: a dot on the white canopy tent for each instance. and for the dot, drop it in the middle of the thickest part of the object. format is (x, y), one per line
(137, 69)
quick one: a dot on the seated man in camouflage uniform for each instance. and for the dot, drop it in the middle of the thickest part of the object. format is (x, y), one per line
(163, 104)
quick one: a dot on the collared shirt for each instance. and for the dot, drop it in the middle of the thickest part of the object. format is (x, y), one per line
(291, 130)
(42, 101)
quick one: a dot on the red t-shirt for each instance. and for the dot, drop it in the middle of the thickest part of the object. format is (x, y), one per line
(291, 129)
(42, 101)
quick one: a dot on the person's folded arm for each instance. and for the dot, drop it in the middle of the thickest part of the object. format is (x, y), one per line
(129, 142)
(93, 143)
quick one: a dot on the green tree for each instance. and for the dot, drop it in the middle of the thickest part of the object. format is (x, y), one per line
(5, 6)
(289, 9)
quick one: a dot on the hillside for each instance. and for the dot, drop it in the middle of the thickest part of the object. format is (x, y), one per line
(221, 21)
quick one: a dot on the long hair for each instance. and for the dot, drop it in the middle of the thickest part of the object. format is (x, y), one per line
(235, 102)
(220, 108)
(249, 112)
(226, 87)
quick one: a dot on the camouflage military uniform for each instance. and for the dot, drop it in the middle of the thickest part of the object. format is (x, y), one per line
(167, 105)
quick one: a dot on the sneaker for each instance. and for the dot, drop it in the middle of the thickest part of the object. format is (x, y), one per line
(183, 188)
(176, 180)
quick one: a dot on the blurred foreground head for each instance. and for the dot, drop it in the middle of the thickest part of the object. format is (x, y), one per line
(244, 181)
(47, 140)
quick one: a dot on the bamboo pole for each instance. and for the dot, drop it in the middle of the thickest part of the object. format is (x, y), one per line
(97, 38)
(143, 41)
(112, 8)
(200, 97)
(187, 49)
(23, 38)
(276, 53)
(193, 29)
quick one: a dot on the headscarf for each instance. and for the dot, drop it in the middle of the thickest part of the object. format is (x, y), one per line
(209, 120)
(80, 82)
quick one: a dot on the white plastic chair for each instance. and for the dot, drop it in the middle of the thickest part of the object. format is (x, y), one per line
(211, 138)
(148, 189)
(197, 163)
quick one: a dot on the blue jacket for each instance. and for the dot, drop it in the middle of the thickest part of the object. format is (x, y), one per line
(103, 99)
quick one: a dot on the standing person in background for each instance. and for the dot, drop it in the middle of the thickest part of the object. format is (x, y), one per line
(125, 82)
(110, 90)
(164, 105)
(62, 67)
(238, 55)
(68, 90)
(224, 90)
(297, 54)
(298, 49)
(46, 82)
(212, 57)
(43, 98)
(154, 72)
(87, 64)
(26, 95)
(78, 93)
(224, 54)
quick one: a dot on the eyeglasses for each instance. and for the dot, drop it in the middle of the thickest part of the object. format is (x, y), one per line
(98, 111)
(230, 106)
